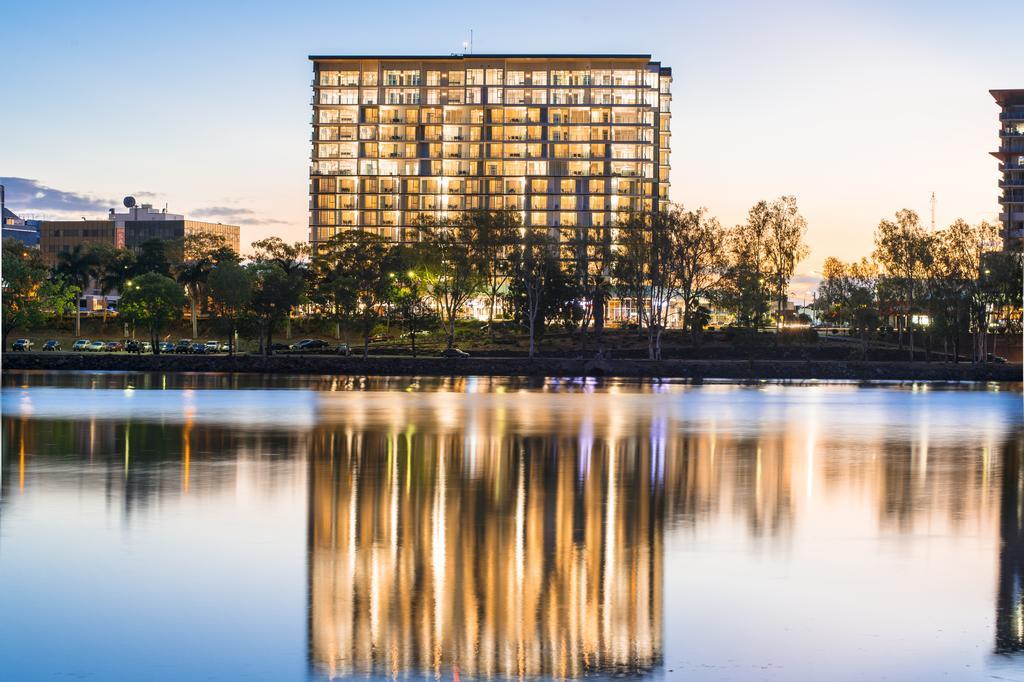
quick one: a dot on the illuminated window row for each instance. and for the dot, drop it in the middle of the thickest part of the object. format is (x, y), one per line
(494, 76)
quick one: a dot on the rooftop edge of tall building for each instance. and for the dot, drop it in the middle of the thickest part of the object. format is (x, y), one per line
(1008, 96)
(483, 57)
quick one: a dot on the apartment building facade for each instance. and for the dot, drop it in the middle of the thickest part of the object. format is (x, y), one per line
(569, 142)
(1011, 166)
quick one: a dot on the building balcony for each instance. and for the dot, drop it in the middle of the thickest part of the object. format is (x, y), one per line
(1011, 116)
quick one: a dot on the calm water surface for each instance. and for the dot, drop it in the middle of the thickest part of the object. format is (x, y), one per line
(182, 527)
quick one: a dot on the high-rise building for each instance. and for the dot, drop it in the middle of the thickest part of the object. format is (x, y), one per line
(1011, 165)
(567, 141)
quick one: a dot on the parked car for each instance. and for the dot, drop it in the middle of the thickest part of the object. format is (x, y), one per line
(377, 338)
(136, 346)
(184, 346)
(198, 348)
(114, 346)
(166, 347)
(214, 347)
(81, 345)
(275, 347)
(310, 344)
(21, 345)
(97, 346)
(454, 353)
(51, 345)
(344, 349)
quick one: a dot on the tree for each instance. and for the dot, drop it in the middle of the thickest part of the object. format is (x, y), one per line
(700, 259)
(153, 300)
(449, 272)
(207, 246)
(492, 235)
(590, 250)
(533, 260)
(955, 284)
(409, 291)
(902, 248)
(153, 256)
(847, 296)
(274, 294)
(1002, 284)
(231, 291)
(785, 247)
(78, 266)
(116, 270)
(192, 274)
(30, 295)
(360, 271)
(744, 288)
(292, 259)
(647, 265)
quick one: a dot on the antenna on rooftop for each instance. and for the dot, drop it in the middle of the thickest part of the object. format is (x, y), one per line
(471, 41)
(933, 211)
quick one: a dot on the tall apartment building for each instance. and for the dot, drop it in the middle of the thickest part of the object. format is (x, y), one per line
(1011, 165)
(567, 141)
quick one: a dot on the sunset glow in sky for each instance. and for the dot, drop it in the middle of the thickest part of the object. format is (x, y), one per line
(857, 108)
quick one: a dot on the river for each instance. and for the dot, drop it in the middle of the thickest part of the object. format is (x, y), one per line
(189, 526)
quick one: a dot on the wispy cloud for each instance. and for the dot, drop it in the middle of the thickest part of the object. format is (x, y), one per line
(233, 214)
(27, 194)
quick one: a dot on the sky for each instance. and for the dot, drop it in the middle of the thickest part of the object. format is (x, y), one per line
(856, 108)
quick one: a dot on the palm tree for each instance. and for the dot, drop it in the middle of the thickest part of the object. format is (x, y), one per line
(116, 267)
(78, 266)
(193, 275)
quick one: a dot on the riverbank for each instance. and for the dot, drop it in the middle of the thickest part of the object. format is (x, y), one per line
(435, 366)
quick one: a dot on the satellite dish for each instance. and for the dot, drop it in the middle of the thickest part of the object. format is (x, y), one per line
(129, 202)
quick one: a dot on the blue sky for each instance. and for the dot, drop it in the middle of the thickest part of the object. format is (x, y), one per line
(858, 108)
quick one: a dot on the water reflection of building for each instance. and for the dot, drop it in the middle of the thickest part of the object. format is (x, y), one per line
(138, 463)
(503, 556)
(1010, 590)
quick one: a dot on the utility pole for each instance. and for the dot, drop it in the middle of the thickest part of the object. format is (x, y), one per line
(933, 211)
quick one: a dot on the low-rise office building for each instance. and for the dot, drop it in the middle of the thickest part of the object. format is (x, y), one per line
(25, 231)
(59, 236)
(127, 230)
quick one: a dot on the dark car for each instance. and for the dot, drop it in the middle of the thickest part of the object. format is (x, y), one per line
(114, 346)
(276, 347)
(21, 345)
(184, 346)
(310, 344)
(136, 346)
(344, 349)
(51, 345)
(166, 347)
(454, 353)
(198, 348)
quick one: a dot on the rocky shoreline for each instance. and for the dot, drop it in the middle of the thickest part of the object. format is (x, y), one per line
(552, 367)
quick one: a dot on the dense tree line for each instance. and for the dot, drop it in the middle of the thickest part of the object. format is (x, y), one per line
(668, 268)
(939, 287)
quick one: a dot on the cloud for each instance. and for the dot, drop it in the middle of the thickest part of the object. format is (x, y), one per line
(232, 214)
(811, 279)
(27, 194)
